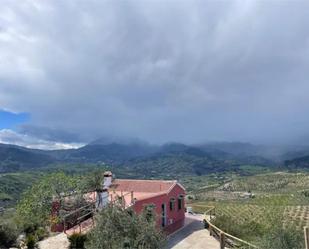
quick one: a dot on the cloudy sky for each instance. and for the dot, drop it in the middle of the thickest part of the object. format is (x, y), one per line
(188, 71)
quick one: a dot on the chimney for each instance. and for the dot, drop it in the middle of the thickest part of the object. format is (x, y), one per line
(103, 197)
(108, 177)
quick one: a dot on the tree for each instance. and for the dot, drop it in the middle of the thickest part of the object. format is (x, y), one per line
(35, 206)
(123, 228)
(94, 182)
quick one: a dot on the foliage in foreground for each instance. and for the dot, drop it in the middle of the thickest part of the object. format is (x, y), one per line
(77, 241)
(265, 225)
(34, 209)
(117, 228)
(8, 235)
(287, 238)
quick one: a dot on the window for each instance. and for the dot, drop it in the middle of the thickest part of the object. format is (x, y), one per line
(172, 204)
(180, 202)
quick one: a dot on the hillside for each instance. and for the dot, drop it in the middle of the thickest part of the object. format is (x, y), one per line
(298, 163)
(14, 158)
(145, 159)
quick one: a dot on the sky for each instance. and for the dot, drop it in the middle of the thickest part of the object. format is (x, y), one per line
(187, 71)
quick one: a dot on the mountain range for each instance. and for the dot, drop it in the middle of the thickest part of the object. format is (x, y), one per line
(141, 157)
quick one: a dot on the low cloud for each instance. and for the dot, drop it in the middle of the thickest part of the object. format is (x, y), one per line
(8, 136)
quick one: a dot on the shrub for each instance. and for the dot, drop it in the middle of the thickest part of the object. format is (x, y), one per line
(237, 229)
(305, 193)
(77, 241)
(8, 236)
(29, 228)
(288, 238)
(31, 241)
(118, 228)
(41, 233)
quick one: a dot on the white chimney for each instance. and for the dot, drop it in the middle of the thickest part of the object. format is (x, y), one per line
(108, 177)
(102, 198)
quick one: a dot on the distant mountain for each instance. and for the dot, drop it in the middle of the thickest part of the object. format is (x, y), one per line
(177, 159)
(139, 156)
(118, 140)
(14, 157)
(17, 158)
(111, 153)
(298, 163)
(234, 148)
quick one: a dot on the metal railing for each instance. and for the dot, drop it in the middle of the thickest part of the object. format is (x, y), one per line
(77, 216)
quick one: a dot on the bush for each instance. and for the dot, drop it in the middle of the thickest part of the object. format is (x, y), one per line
(29, 228)
(305, 193)
(77, 241)
(241, 230)
(118, 228)
(8, 236)
(41, 233)
(31, 241)
(288, 238)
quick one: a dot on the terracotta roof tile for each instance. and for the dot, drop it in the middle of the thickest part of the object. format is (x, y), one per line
(143, 186)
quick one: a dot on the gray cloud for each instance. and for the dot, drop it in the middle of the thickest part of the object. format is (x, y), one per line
(178, 70)
(8, 136)
(50, 134)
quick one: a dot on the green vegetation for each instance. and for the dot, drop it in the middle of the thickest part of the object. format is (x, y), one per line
(8, 235)
(211, 177)
(36, 202)
(283, 238)
(77, 241)
(33, 211)
(33, 216)
(271, 182)
(280, 206)
(13, 184)
(118, 228)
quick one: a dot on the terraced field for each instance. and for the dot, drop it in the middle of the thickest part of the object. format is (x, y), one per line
(281, 200)
(271, 182)
(256, 220)
(297, 215)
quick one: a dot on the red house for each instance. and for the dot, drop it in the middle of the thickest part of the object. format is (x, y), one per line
(167, 197)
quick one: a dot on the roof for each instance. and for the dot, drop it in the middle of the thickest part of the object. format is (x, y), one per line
(142, 189)
(146, 186)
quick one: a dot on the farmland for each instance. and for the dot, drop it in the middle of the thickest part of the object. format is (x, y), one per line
(277, 200)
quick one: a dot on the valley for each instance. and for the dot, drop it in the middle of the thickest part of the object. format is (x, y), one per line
(252, 194)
